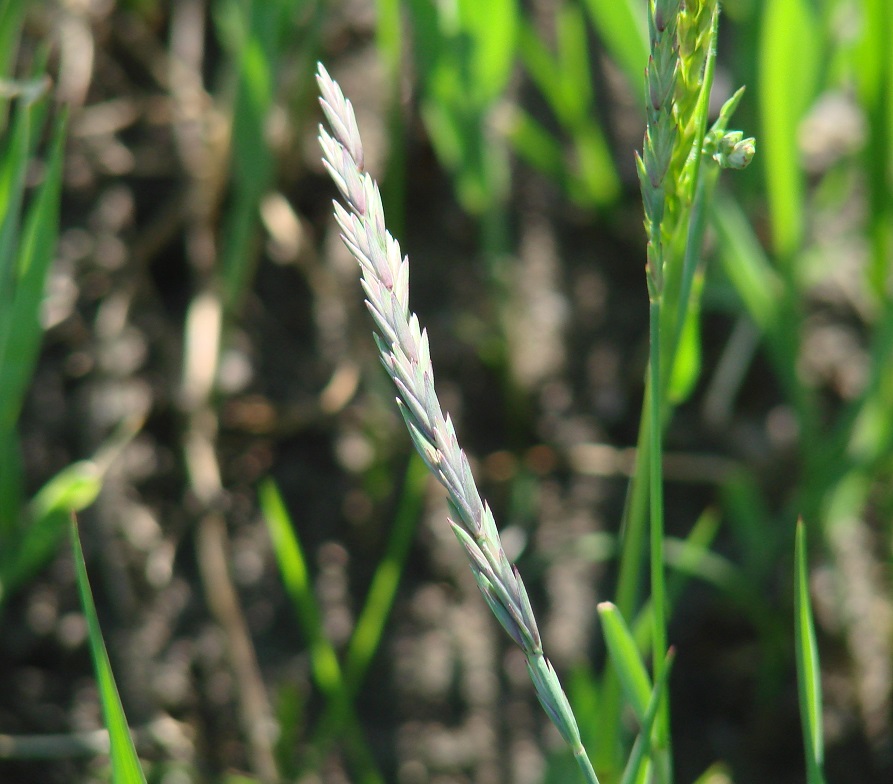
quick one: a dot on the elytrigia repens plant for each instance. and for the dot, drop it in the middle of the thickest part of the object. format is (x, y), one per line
(403, 347)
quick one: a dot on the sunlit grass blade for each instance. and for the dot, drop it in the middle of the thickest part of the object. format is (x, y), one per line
(465, 53)
(809, 684)
(327, 671)
(296, 577)
(626, 658)
(686, 368)
(789, 61)
(42, 522)
(126, 767)
(390, 44)
(565, 82)
(867, 428)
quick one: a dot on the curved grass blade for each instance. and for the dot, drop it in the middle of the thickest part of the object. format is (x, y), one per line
(626, 658)
(327, 671)
(126, 767)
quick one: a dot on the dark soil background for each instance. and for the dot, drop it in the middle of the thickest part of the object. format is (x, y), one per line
(301, 398)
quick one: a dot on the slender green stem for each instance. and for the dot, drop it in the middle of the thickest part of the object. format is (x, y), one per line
(585, 766)
(655, 472)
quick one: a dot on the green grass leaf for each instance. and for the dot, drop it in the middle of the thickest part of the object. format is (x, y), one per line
(21, 330)
(488, 30)
(13, 162)
(873, 74)
(686, 367)
(72, 489)
(622, 27)
(746, 265)
(566, 84)
(626, 658)
(126, 767)
(809, 685)
(296, 577)
(789, 61)
(327, 671)
(465, 53)
(11, 16)
(635, 769)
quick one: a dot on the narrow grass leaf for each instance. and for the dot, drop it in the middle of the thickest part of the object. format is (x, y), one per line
(537, 146)
(622, 28)
(465, 52)
(13, 163)
(809, 685)
(365, 640)
(12, 491)
(573, 55)
(745, 264)
(488, 31)
(789, 61)
(868, 427)
(626, 659)
(126, 767)
(296, 577)
(291, 715)
(717, 773)
(542, 67)
(252, 162)
(873, 72)
(323, 658)
(635, 769)
(11, 17)
(22, 337)
(566, 84)
(687, 359)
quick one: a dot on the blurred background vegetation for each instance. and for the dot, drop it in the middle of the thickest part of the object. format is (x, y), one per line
(185, 357)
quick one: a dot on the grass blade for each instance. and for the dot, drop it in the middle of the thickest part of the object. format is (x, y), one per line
(746, 264)
(376, 610)
(789, 64)
(625, 656)
(809, 685)
(324, 661)
(21, 338)
(634, 767)
(621, 26)
(126, 767)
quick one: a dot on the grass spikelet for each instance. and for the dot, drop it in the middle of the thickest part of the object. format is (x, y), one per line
(403, 347)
